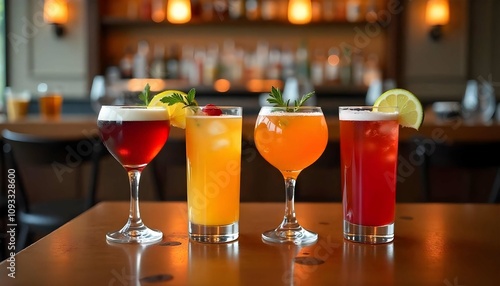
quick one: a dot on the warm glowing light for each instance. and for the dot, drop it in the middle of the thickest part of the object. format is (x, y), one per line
(333, 60)
(137, 84)
(55, 11)
(437, 12)
(262, 85)
(178, 11)
(299, 11)
(222, 85)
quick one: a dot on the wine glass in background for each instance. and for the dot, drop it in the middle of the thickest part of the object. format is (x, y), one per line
(478, 104)
(101, 94)
(134, 135)
(290, 141)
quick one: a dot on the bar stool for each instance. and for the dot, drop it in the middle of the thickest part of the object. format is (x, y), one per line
(29, 152)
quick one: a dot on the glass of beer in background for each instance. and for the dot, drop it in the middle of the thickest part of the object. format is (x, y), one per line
(17, 104)
(369, 155)
(50, 102)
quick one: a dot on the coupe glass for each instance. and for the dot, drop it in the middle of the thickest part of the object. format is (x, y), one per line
(290, 139)
(134, 135)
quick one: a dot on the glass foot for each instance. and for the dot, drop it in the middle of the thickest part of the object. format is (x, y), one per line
(213, 233)
(297, 235)
(368, 234)
(142, 235)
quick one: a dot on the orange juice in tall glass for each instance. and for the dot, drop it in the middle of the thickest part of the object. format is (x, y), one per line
(213, 152)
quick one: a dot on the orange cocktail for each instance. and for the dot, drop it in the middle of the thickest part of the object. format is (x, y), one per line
(213, 149)
(290, 139)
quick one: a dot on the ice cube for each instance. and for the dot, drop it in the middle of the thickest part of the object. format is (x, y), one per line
(216, 127)
(219, 144)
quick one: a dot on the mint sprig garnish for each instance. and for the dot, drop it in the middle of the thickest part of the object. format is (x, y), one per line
(276, 98)
(178, 98)
(145, 96)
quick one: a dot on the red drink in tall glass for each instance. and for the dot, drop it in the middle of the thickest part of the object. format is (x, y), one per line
(369, 152)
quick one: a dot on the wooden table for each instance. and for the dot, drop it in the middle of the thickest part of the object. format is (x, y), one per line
(435, 244)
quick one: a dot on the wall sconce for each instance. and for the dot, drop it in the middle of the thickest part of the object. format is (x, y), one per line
(55, 12)
(299, 11)
(437, 14)
(179, 11)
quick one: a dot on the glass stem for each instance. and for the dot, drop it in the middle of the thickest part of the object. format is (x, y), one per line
(134, 216)
(290, 221)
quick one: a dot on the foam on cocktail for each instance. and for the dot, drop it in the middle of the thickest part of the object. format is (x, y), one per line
(365, 115)
(117, 113)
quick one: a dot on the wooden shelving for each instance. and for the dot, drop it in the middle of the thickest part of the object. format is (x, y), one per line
(116, 32)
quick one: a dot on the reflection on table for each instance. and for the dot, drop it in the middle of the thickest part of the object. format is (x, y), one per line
(455, 244)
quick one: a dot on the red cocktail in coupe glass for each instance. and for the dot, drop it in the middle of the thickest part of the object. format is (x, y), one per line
(134, 135)
(369, 153)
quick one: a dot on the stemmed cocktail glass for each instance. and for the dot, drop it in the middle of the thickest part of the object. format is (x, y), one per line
(290, 139)
(134, 135)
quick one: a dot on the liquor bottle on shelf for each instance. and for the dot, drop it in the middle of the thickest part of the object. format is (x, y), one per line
(327, 10)
(269, 9)
(318, 67)
(302, 61)
(353, 10)
(339, 11)
(221, 8)
(274, 70)
(207, 10)
(252, 10)
(200, 56)
(372, 69)
(287, 62)
(236, 9)
(126, 63)
(358, 70)
(186, 62)
(158, 11)
(209, 72)
(172, 62)
(262, 56)
(140, 67)
(371, 11)
(316, 7)
(158, 68)
(346, 66)
(145, 10)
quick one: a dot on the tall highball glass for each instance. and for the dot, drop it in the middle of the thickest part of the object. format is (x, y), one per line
(368, 155)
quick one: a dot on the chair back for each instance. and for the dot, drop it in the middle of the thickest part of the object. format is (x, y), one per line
(462, 155)
(62, 155)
